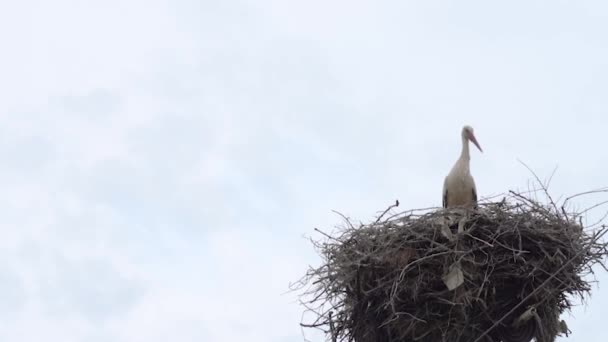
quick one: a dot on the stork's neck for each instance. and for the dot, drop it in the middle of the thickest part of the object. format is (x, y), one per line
(465, 155)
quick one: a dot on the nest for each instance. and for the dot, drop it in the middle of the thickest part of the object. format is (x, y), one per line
(501, 272)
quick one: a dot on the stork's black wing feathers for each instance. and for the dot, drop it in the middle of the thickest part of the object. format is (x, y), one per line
(474, 198)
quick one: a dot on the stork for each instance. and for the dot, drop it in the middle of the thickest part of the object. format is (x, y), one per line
(459, 186)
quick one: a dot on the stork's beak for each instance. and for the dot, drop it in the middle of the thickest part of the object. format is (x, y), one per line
(474, 140)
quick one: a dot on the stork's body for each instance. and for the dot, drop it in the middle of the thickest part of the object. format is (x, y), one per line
(459, 186)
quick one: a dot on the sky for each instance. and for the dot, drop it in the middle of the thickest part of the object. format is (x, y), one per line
(163, 163)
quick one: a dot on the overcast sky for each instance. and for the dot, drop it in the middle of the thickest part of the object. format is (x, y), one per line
(162, 162)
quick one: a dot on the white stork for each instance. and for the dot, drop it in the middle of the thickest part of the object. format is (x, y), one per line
(459, 187)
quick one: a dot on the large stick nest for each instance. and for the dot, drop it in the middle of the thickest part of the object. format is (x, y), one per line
(501, 272)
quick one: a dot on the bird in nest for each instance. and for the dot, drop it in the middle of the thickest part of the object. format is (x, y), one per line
(459, 186)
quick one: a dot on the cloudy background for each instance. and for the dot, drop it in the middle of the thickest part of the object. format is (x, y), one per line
(162, 162)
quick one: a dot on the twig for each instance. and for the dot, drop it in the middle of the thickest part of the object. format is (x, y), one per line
(545, 187)
(387, 210)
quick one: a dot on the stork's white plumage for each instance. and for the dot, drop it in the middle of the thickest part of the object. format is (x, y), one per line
(459, 186)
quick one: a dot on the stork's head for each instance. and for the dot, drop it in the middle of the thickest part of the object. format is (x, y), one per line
(468, 134)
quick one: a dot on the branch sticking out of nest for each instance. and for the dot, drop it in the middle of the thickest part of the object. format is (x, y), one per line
(503, 272)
